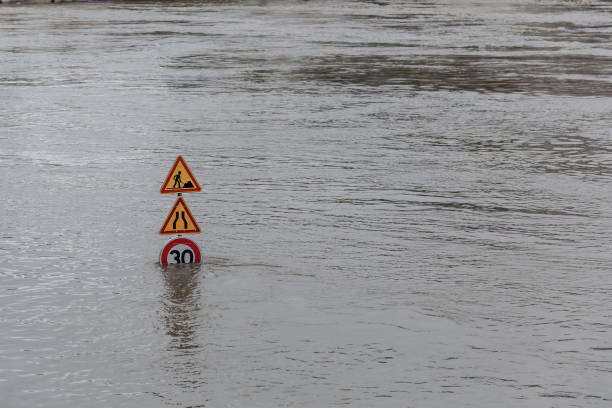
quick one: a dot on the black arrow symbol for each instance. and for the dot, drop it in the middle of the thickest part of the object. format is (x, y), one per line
(184, 220)
(175, 220)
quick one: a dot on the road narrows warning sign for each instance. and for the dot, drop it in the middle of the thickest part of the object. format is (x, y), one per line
(180, 220)
(180, 179)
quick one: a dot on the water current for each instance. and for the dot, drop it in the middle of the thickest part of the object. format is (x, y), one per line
(404, 204)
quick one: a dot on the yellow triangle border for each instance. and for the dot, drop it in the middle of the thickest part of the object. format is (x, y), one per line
(166, 190)
(196, 229)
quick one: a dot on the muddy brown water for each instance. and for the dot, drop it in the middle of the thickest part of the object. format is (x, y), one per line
(405, 204)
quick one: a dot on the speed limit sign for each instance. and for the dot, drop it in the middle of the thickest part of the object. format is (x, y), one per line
(180, 251)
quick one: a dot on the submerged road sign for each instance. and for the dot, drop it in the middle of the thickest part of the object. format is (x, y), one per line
(180, 179)
(180, 251)
(180, 220)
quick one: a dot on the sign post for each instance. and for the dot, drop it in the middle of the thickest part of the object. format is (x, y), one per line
(179, 221)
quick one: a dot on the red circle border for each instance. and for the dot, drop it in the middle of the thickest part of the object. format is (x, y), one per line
(163, 257)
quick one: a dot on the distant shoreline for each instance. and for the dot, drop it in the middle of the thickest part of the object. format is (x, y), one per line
(33, 1)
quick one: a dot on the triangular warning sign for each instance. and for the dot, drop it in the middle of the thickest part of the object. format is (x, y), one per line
(180, 220)
(180, 179)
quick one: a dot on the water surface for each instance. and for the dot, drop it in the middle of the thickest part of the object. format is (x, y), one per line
(404, 204)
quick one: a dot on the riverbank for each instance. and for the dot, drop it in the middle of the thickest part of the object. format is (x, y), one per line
(33, 1)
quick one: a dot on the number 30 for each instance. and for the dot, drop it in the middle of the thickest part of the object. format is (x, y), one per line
(180, 257)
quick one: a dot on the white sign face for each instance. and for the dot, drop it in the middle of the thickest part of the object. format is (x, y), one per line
(180, 251)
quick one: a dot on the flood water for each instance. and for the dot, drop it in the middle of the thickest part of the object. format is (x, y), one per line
(404, 204)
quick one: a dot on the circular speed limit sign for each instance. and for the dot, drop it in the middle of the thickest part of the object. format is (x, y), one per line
(180, 251)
